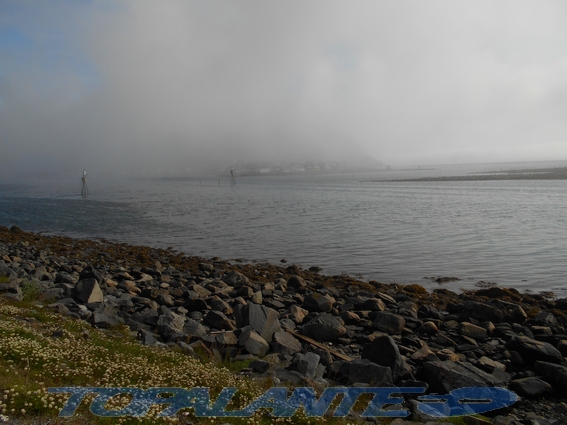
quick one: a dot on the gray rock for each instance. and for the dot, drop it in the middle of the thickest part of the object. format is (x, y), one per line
(532, 350)
(389, 323)
(64, 277)
(318, 302)
(365, 371)
(446, 376)
(323, 327)
(306, 364)
(285, 343)
(236, 279)
(217, 320)
(253, 343)
(385, 352)
(194, 328)
(530, 387)
(88, 291)
(169, 324)
(263, 320)
(105, 319)
(374, 304)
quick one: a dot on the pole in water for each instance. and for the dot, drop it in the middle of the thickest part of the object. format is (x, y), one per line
(232, 178)
(84, 189)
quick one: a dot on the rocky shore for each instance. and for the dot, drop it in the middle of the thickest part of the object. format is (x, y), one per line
(301, 328)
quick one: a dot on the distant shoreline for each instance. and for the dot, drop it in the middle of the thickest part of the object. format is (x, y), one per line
(526, 174)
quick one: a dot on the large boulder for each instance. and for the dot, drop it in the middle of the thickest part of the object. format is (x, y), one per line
(263, 320)
(446, 376)
(253, 343)
(169, 324)
(553, 373)
(532, 350)
(285, 343)
(384, 351)
(318, 302)
(365, 371)
(389, 323)
(11, 290)
(88, 291)
(323, 327)
(482, 312)
(218, 320)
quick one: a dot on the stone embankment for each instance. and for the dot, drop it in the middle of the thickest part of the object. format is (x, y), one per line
(301, 328)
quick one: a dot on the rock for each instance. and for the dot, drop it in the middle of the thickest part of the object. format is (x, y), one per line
(256, 297)
(296, 282)
(472, 331)
(306, 364)
(562, 347)
(545, 318)
(236, 279)
(147, 337)
(285, 343)
(349, 317)
(64, 277)
(318, 302)
(88, 291)
(297, 314)
(480, 311)
(374, 304)
(446, 376)
(517, 315)
(489, 365)
(12, 291)
(532, 350)
(554, 373)
(323, 327)
(194, 328)
(169, 324)
(218, 320)
(105, 319)
(253, 343)
(259, 366)
(530, 387)
(365, 371)
(263, 320)
(385, 352)
(389, 322)
(428, 328)
(90, 272)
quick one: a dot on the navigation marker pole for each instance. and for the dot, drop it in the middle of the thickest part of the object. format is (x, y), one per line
(85, 189)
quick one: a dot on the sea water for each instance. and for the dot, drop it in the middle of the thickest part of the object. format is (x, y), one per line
(505, 232)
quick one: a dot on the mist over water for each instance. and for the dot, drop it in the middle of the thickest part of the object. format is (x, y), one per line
(513, 233)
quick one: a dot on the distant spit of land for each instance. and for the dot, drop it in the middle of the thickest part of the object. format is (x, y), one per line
(523, 174)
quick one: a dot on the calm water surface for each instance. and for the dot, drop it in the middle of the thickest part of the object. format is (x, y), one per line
(513, 233)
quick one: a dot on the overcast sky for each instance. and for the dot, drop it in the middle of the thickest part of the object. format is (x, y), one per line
(124, 85)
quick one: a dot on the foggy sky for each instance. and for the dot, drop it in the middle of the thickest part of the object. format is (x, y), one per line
(139, 86)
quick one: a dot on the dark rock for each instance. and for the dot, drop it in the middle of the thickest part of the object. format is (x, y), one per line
(480, 311)
(532, 350)
(364, 371)
(530, 387)
(446, 376)
(385, 352)
(88, 291)
(390, 323)
(318, 302)
(259, 366)
(296, 282)
(217, 320)
(11, 290)
(323, 327)
(169, 324)
(553, 373)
